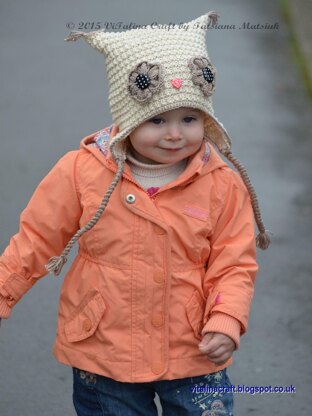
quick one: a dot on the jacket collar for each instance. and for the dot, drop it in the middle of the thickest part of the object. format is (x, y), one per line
(201, 163)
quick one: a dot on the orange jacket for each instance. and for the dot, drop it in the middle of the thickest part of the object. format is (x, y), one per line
(152, 276)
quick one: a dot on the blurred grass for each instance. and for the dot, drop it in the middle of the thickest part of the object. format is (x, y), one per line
(297, 53)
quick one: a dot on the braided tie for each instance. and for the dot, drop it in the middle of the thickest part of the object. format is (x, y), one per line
(263, 239)
(55, 264)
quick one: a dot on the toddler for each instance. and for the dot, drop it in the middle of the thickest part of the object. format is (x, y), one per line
(159, 294)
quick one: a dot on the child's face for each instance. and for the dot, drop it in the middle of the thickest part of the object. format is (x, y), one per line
(181, 129)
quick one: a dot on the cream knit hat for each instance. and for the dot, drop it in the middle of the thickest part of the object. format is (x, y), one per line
(152, 70)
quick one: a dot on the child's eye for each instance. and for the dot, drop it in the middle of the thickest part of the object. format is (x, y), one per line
(189, 119)
(156, 120)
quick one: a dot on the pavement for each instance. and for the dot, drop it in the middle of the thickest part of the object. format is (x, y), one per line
(53, 93)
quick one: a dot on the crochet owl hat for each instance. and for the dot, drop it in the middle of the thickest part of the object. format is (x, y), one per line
(151, 70)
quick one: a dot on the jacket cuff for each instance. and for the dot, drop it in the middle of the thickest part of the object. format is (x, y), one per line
(5, 310)
(225, 324)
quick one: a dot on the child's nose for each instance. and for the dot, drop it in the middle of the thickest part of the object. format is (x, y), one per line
(174, 132)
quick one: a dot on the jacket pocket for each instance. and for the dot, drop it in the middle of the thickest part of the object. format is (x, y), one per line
(86, 318)
(195, 308)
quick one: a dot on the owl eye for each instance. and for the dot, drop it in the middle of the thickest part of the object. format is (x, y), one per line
(203, 74)
(145, 80)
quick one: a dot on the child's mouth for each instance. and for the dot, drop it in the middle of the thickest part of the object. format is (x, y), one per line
(173, 150)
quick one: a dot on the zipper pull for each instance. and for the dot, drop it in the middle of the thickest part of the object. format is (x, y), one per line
(152, 190)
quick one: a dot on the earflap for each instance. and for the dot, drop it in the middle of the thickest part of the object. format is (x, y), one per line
(216, 133)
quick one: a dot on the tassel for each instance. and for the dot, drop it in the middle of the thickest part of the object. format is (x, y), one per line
(213, 18)
(263, 240)
(56, 264)
(73, 36)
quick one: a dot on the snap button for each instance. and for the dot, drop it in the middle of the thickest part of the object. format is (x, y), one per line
(87, 325)
(130, 198)
(158, 320)
(159, 276)
(157, 368)
(159, 230)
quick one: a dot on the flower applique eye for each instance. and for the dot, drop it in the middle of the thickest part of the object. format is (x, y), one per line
(144, 81)
(203, 74)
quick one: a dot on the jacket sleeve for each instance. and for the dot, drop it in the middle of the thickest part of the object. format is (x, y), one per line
(232, 265)
(47, 223)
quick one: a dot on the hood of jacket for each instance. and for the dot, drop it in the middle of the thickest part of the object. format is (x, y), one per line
(203, 162)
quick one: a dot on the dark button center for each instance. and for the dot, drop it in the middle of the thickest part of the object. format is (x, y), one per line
(208, 75)
(142, 81)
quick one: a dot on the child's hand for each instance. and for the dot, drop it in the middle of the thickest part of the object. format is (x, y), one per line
(218, 347)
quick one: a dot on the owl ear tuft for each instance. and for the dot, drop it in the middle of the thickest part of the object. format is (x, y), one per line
(97, 39)
(73, 36)
(213, 17)
(205, 20)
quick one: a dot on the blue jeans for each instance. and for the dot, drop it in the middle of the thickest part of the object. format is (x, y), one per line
(96, 395)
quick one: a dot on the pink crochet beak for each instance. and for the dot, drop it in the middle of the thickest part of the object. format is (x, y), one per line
(176, 83)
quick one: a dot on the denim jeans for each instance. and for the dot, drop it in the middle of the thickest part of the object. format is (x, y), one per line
(96, 395)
